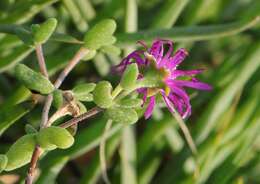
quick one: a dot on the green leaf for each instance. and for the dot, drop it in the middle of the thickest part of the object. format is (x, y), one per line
(111, 49)
(82, 91)
(85, 140)
(20, 152)
(42, 32)
(3, 162)
(169, 13)
(91, 175)
(51, 170)
(223, 99)
(10, 115)
(128, 156)
(122, 115)
(193, 33)
(100, 34)
(128, 80)
(23, 11)
(10, 60)
(129, 103)
(29, 129)
(54, 137)
(57, 98)
(102, 94)
(33, 80)
(91, 54)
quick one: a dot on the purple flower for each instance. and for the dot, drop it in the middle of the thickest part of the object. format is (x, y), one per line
(159, 57)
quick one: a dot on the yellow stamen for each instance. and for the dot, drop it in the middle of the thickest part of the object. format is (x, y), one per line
(167, 90)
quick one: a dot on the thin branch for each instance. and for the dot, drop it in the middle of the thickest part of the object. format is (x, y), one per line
(88, 114)
(45, 113)
(72, 63)
(41, 60)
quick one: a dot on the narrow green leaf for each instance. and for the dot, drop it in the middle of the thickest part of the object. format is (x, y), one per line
(22, 11)
(51, 170)
(92, 174)
(193, 33)
(128, 156)
(169, 13)
(11, 114)
(77, 18)
(10, 60)
(222, 101)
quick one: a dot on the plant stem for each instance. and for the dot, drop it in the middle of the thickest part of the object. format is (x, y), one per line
(47, 105)
(41, 60)
(72, 63)
(185, 131)
(88, 114)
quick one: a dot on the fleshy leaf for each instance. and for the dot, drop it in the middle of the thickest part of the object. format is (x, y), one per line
(82, 91)
(29, 129)
(111, 49)
(43, 32)
(128, 80)
(91, 54)
(102, 94)
(57, 98)
(129, 103)
(100, 35)
(33, 80)
(122, 115)
(20, 152)
(54, 137)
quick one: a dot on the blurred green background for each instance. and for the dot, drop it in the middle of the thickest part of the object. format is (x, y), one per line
(222, 36)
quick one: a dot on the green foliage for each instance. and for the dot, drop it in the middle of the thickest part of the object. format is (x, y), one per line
(29, 129)
(41, 33)
(129, 103)
(54, 137)
(128, 80)
(33, 80)
(102, 94)
(224, 122)
(3, 162)
(20, 152)
(82, 91)
(122, 115)
(57, 98)
(100, 35)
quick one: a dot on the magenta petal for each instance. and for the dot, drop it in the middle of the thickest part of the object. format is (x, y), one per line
(157, 50)
(179, 73)
(193, 84)
(177, 58)
(165, 58)
(150, 107)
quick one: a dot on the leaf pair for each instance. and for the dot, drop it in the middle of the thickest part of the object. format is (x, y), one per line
(21, 151)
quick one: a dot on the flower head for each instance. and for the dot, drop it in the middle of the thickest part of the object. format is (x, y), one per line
(160, 59)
